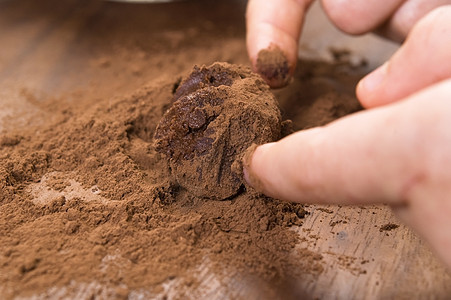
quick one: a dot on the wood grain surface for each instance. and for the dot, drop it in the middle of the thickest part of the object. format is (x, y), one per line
(56, 49)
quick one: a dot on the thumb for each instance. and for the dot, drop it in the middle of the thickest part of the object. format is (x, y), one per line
(424, 59)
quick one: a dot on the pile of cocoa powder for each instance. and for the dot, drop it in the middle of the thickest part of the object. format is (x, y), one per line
(152, 230)
(90, 208)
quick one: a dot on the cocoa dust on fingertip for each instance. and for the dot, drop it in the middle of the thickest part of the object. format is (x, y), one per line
(272, 64)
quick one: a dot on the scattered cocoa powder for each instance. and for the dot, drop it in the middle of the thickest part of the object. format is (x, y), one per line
(137, 227)
(388, 227)
(89, 208)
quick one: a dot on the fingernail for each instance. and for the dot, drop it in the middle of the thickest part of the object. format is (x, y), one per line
(249, 174)
(247, 158)
(374, 80)
(246, 176)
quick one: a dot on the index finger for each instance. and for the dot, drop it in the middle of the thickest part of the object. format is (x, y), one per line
(374, 156)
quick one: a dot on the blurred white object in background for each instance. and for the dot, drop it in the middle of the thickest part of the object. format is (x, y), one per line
(319, 36)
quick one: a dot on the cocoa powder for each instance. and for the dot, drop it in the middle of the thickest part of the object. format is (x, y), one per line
(157, 231)
(90, 209)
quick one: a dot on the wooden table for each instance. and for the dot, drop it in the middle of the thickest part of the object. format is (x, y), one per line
(53, 48)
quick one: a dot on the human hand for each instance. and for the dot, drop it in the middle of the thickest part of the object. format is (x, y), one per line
(398, 153)
(278, 23)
